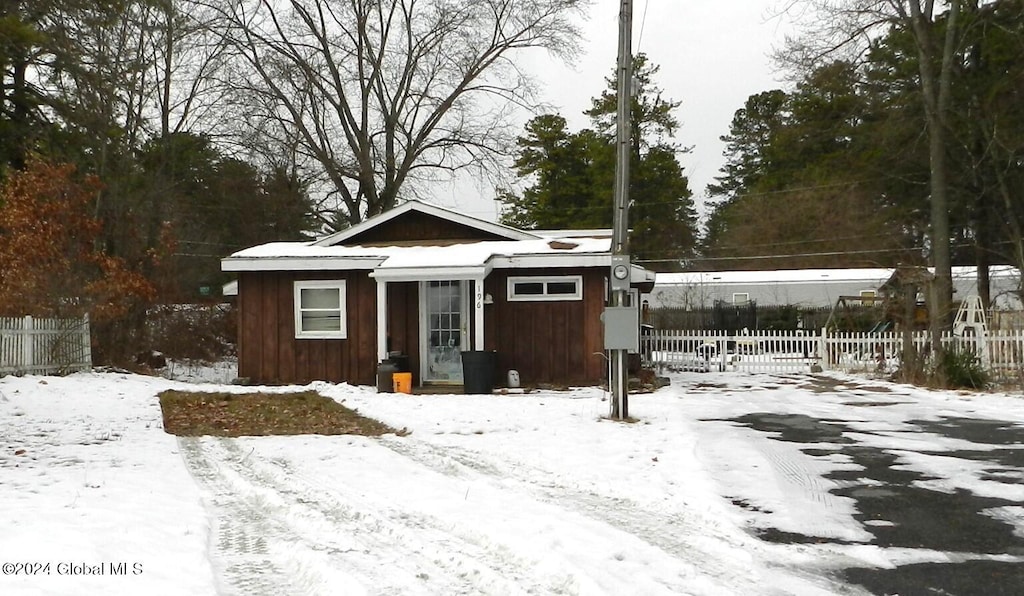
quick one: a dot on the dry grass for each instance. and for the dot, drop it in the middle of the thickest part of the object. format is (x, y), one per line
(258, 414)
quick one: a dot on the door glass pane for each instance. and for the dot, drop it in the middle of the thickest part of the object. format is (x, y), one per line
(444, 333)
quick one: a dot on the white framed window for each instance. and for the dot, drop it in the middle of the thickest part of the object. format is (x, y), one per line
(740, 298)
(320, 309)
(549, 288)
(867, 297)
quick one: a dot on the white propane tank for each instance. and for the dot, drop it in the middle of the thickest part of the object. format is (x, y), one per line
(513, 379)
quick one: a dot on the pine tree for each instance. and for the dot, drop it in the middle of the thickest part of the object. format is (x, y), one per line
(572, 175)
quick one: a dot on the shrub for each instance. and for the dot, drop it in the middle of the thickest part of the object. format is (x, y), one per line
(54, 262)
(197, 332)
(961, 368)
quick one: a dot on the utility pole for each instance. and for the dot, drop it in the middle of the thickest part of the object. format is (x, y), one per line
(618, 375)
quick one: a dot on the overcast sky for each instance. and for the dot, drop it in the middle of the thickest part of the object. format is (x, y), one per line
(713, 54)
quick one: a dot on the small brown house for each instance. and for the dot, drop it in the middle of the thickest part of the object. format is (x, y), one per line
(425, 283)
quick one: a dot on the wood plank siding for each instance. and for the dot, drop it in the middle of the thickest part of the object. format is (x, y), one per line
(551, 335)
(558, 342)
(418, 228)
(404, 323)
(268, 351)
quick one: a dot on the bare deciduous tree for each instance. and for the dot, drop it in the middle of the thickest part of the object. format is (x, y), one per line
(381, 93)
(183, 56)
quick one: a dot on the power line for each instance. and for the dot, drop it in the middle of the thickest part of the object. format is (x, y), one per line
(783, 191)
(807, 241)
(643, 21)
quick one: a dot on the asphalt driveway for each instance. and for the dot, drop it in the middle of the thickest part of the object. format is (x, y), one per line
(902, 508)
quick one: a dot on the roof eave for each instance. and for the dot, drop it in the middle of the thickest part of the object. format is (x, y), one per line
(296, 263)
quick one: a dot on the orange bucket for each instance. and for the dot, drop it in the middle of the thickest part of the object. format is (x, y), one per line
(402, 382)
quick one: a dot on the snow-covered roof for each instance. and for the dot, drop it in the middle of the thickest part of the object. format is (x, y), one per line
(774, 276)
(450, 259)
(808, 276)
(539, 252)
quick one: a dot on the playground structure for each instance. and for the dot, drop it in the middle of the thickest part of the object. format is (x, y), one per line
(877, 331)
(901, 304)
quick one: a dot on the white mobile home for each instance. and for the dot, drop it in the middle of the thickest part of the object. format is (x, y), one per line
(810, 287)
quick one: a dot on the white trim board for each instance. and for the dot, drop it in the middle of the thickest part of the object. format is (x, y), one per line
(430, 273)
(299, 263)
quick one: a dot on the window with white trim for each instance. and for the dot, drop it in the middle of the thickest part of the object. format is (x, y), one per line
(740, 298)
(549, 288)
(867, 297)
(320, 309)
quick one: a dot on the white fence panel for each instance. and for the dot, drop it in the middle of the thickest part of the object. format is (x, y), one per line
(680, 349)
(774, 351)
(763, 351)
(1000, 352)
(1004, 353)
(860, 352)
(44, 346)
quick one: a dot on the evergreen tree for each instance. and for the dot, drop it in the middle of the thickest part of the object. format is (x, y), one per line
(792, 192)
(210, 205)
(572, 175)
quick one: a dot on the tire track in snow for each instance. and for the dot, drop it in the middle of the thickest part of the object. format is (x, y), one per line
(681, 534)
(790, 466)
(264, 508)
(806, 491)
(466, 559)
(242, 525)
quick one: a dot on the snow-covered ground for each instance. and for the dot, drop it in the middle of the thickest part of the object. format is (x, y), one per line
(506, 494)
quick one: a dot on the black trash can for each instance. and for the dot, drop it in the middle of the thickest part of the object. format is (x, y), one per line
(478, 371)
(385, 370)
(401, 362)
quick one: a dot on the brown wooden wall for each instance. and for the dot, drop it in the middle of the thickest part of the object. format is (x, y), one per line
(421, 228)
(404, 323)
(547, 342)
(267, 349)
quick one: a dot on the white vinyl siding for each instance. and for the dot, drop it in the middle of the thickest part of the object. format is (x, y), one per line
(320, 309)
(548, 288)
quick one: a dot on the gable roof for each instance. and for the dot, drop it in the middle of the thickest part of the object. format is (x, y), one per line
(536, 252)
(372, 245)
(486, 227)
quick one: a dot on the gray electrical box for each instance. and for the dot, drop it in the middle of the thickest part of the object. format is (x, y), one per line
(621, 328)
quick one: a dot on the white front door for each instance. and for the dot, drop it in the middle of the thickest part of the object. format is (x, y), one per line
(444, 326)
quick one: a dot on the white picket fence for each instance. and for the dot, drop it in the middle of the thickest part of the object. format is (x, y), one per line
(44, 346)
(1000, 352)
